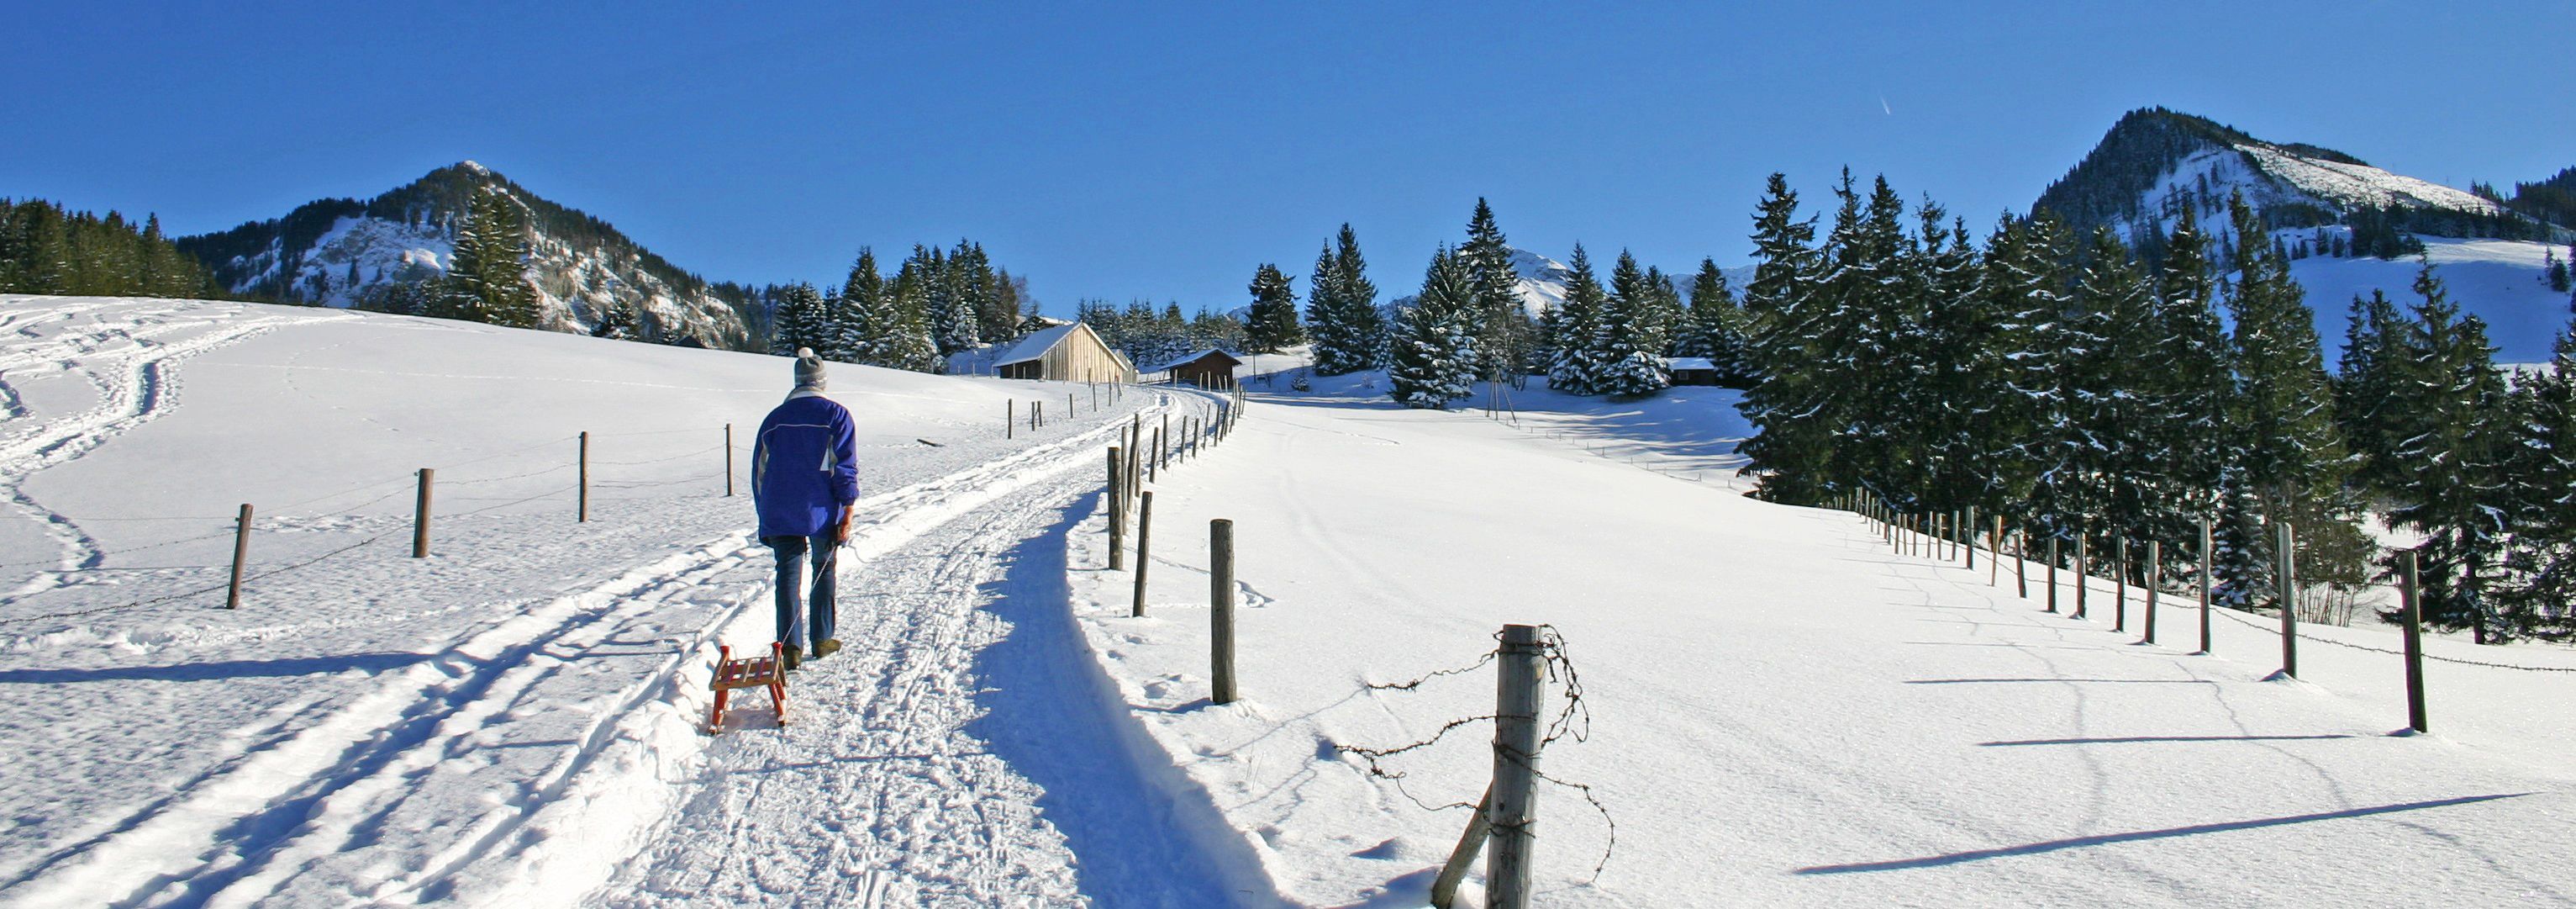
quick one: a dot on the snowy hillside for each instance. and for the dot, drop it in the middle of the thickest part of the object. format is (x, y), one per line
(2497, 280)
(344, 253)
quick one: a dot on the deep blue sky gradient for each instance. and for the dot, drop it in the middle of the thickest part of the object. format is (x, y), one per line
(1162, 151)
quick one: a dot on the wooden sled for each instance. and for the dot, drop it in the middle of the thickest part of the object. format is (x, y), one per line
(749, 672)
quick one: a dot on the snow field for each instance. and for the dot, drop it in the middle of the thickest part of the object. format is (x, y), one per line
(1784, 712)
(503, 720)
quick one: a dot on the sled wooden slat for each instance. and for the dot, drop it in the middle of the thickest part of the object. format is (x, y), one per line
(749, 672)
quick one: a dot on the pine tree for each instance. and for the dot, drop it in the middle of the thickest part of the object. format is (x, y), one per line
(616, 321)
(1715, 327)
(1576, 369)
(1789, 447)
(2373, 365)
(1503, 330)
(2292, 460)
(1625, 345)
(1349, 335)
(1272, 322)
(2542, 464)
(2191, 374)
(1429, 368)
(2448, 466)
(802, 320)
(487, 275)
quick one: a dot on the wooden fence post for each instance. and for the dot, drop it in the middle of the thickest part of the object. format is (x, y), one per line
(1444, 888)
(2021, 562)
(1144, 550)
(241, 554)
(1010, 418)
(2120, 586)
(1968, 532)
(2285, 591)
(2083, 573)
(2155, 580)
(1153, 464)
(1117, 509)
(2052, 573)
(2414, 617)
(584, 508)
(2205, 543)
(1221, 611)
(1517, 702)
(728, 460)
(1162, 449)
(420, 517)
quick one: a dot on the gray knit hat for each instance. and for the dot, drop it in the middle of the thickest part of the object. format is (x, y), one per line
(809, 369)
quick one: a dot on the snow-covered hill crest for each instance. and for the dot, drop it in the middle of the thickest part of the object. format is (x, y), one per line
(345, 252)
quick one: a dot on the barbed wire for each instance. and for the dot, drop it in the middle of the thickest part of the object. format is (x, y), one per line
(2250, 623)
(1573, 720)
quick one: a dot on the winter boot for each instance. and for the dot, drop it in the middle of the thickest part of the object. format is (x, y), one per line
(794, 656)
(826, 647)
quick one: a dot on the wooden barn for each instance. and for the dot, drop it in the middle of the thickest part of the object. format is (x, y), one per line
(1064, 353)
(1205, 369)
(1693, 371)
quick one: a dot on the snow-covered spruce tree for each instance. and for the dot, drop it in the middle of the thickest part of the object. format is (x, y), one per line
(2292, 458)
(1625, 343)
(2374, 364)
(1272, 322)
(1504, 333)
(616, 321)
(487, 275)
(2191, 375)
(1428, 370)
(912, 345)
(800, 320)
(1789, 447)
(1715, 327)
(2028, 275)
(2542, 554)
(1866, 314)
(1577, 368)
(2123, 408)
(1971, 416)
(2449, 462)
(1342, 315)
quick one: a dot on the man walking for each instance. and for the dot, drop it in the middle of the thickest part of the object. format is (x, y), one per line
(804, 480)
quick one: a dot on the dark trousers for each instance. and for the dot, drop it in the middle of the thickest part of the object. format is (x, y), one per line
(791, 581)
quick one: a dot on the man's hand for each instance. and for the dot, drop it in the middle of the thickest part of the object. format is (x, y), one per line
(841, 532)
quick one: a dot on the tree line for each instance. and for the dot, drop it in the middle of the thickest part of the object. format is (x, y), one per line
(45, 249)
(939, 302)
(2058, 381)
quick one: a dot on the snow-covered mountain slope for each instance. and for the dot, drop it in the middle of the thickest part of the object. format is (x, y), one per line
(2496, 280)
(344, 252)
(2154, 163)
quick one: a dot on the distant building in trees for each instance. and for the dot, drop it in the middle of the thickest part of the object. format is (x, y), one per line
(1205, 369)
(1064, 353)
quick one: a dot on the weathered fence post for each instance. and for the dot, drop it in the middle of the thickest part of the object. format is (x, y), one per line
(2205, 542)
(584, 508)
(241, 554)
(1153, 463)
(1221, 611)
(2155, 579)
(2083, 573)
(420, 517)
(2021, 562)
(1144, 549)
(2120, 587)
(728, 460)
(2414, 618)
(1444, 888)
(1010, 418)
(1517, 704)
(2285, 590)
(1117, 510)
(1162, 451)
(2052, 573)
(1968, 532)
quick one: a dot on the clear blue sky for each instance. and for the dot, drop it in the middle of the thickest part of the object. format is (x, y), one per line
(1162, 151)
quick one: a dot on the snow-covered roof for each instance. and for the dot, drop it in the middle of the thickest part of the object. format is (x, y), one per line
(1033, 345)
(1193, 358)
(1690, 363)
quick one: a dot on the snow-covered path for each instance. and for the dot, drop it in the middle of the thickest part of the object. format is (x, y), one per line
(958, 753)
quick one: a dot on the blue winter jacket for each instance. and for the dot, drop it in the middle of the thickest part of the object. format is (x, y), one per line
(804, 466)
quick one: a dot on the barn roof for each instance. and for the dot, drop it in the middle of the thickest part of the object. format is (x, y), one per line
(1034, 345)
(1692, 363)
(1193, 358)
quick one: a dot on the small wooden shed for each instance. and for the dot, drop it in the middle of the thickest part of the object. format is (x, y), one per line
(1693, 371)
(1205, 369)
(1064, 353)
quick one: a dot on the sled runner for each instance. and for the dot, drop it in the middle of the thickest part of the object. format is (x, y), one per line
(768, 671)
